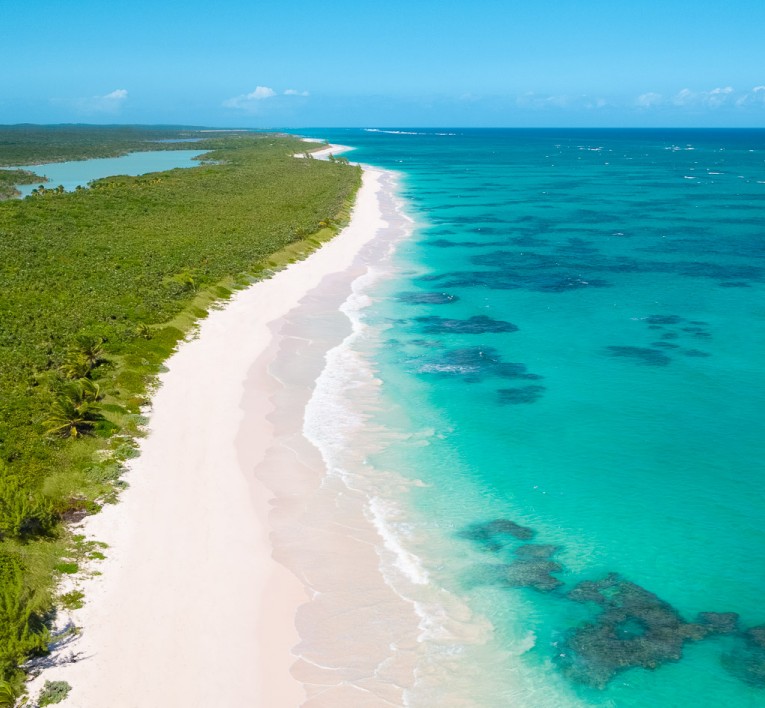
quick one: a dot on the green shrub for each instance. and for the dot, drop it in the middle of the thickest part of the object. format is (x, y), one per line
(24, 512)
(22, 629)
(7, 695)
(53, 692)
(72, 600)
(68, 568)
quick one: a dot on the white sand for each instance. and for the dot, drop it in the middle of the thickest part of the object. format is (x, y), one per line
(190, 609)
(327, 151)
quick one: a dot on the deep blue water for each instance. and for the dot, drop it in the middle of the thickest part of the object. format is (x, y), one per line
(577, 328)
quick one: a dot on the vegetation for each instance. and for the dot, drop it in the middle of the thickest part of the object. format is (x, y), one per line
(10, 178)
(7, 695)
(97, 287)
(337, 160)
(27, 144)
(36, 144)
(53, 692)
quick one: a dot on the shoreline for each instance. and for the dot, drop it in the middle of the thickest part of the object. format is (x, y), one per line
(190, 603)
(358, 635)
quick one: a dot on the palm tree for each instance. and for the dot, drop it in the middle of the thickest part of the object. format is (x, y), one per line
(76, 366)
(75, 410)
(90, 347)
(84, 355)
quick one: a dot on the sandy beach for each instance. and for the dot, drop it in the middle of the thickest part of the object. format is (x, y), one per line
(209, 564)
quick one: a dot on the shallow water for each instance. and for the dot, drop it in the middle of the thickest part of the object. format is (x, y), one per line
(78, 173)
(571, 341)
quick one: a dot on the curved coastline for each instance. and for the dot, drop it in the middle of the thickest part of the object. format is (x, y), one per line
(358, 635)
(190, 607)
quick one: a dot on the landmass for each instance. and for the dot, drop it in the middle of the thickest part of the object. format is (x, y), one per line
(98, 288)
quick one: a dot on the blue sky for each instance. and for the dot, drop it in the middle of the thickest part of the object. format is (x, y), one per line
(416, 63)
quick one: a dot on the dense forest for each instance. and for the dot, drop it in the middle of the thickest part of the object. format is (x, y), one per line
(34, 144)
(97, 287)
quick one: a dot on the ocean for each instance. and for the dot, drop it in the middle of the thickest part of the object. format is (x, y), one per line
(568, 413)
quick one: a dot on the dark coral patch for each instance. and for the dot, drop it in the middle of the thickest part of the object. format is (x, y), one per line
(642, 355)
(735, 284)
(446, 243)
(544, 282)
(577, 265)
(533, 573)
(478, 324)
(495, 535)
(663, 319)
(474, 364)
(665, 345)
(528, 241)
(577, 247)
(429, 343)
(534, 569)
(635, 629)
(718, 622)
(756, 636)
(695, 353)
(427, 298)
(747, 663)
(536, 551)
(564, 284)
(520, 394)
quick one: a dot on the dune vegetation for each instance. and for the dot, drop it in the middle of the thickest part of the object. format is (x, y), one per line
(97, 287)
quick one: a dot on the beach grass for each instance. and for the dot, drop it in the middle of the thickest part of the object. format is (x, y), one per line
(98, 287)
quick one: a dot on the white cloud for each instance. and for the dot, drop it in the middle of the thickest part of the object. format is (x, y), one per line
(253, 101)
(535, 100)
(721, 97)
(753, 97)
(108, 103)
(246, 101)
(260, 93)
(684, 97)
(716, 97)
(116, 95)
(708, 99)
(646, 100)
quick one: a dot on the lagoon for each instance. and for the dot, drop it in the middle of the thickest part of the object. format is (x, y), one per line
(79, 173)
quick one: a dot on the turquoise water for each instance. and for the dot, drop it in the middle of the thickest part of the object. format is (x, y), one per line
(79, 172)
(577, 330)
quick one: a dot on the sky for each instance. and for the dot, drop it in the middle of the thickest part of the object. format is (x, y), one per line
(349, 63)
